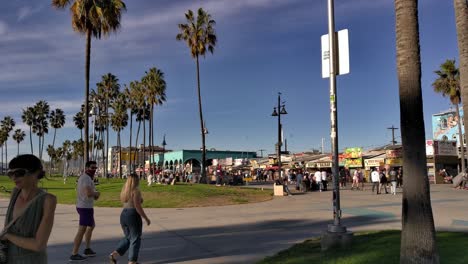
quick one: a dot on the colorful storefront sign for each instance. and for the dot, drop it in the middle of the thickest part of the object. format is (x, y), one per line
(353, 157)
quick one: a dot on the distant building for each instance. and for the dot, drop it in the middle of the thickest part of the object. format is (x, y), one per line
(136, 154)
(445, 126)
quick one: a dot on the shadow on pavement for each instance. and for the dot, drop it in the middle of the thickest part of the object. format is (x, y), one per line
(236, 243)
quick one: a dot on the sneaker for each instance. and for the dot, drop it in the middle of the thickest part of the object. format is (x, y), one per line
(89, 252)
(77, 258)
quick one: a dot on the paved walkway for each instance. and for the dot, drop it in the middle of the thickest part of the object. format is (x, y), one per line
(247, 233)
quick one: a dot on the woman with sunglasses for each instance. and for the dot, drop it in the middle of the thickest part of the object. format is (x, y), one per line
(27, 237)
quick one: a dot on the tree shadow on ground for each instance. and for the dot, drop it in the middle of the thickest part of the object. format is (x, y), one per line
(235, 243)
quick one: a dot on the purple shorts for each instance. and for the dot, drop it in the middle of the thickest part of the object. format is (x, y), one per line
(86, 216)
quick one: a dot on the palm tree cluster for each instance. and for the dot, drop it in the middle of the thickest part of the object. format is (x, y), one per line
(6, 126)
(114, 108)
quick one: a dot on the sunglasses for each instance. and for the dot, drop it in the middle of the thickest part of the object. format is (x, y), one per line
(17, 173)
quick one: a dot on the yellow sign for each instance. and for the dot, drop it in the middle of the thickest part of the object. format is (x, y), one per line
(394, 162)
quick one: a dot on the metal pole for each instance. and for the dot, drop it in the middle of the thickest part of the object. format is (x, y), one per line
(336, 226)
(279, 135)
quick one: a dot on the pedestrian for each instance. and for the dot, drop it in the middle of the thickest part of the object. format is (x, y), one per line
(324, 180)
(393, 181)
(400, 177)
(383, 181)
(86, 195)
(355, 180)
(318, 180)
(30, 214)
(150, 178)
(131, 221)
(375, 180)
(299, 177)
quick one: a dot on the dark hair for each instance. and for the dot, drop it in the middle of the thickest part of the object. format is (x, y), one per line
(133, 174)
(89, 163)
(29, 162)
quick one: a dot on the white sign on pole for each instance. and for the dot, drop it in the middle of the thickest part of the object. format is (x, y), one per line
(342, 52)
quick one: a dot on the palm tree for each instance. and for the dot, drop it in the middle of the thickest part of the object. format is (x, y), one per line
(141, 106)
(94, 19)
(119, 121)
(200, 36)
(418, 234)
(78, 119)
(41, 124)
(129, 92)
(29, 118)
(461, 19)
(18, 136)
(108, 89)
(448, 84)
(57, 121)
(66, 154)
(7, 125)
(3, 139)
(155, 87)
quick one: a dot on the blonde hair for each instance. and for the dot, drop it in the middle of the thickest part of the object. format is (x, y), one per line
(129, 187)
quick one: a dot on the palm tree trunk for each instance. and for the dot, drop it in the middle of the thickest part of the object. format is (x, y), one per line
(82, 155)
(418, 243)
(120, 154)
(6, 152)
(460, 137)
(107, 138)
(39, 147)
(86, 114)
(144, 145)
(461, 19)
(30, 139)
(136, 159)
(151, 139)
(51, 160)
(130, 147)
(203, 161)
(18, 150)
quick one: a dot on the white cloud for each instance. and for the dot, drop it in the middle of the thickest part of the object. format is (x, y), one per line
(27, 11)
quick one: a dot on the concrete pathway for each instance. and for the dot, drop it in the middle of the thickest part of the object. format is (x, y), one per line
(247, 233)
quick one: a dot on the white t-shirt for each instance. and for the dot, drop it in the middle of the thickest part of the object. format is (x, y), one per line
(82, 200)
(318, 176)
(375, 176)
(324, 175)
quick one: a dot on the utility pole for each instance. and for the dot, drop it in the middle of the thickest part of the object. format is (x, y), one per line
(323, 148)
(393, 134)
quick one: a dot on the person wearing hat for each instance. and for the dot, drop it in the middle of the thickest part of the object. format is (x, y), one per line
(30, 214)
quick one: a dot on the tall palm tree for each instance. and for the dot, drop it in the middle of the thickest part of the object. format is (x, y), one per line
(41, 124)
(155, 87)
(200, 36)
(461, 19)
(140, 103)
(18, 136)
(108, 89)
(3, 139)
(66, 155)
(131, 104)
(119, 121)
(57, 121)
(8, 123)
(78, 119)
(448, 84)
(29, 118)
(418, 243)
(92, 18)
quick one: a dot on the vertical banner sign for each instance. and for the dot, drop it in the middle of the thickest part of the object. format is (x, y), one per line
(343, 54)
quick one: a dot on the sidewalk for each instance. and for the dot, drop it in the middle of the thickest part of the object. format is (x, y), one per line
(247, 233)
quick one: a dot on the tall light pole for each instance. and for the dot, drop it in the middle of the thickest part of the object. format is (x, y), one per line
(336, 227)
(281, 111)
(164, 150)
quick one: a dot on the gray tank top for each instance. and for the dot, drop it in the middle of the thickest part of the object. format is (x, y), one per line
(26, 226)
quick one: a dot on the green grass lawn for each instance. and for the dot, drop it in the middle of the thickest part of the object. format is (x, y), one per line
(156, 196)
(381, 247)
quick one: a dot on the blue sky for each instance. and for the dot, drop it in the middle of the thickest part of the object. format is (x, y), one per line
(265, 47)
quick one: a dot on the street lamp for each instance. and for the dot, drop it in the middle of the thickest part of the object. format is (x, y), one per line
(281, 111)
(164, 149)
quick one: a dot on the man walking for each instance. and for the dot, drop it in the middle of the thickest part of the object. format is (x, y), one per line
(375, 180)
(324, 180)
(383, 181)
(86, 194)
(393, 180)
